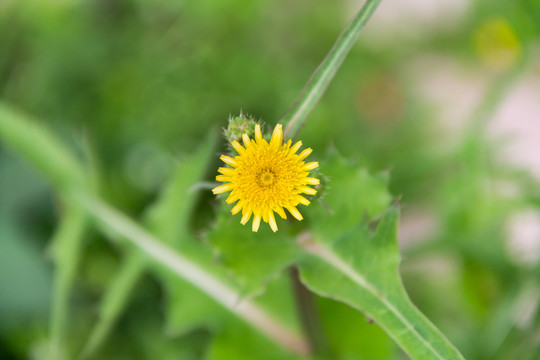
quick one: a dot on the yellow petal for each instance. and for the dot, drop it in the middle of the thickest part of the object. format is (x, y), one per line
(280, 211)
(245, 218)
(239, 148)
(258, 134)
(226, 171)
(245, 138)
(304, 154)
(307, 190)
(272, 221)
(294, 212)
(256, 223)
(229, 160)
(232, 198)
(312, 181)
(302, 200)
(223, 188)
(223, 178)
(296, 146)
(310, 166)
(237, 208)
(277, 137)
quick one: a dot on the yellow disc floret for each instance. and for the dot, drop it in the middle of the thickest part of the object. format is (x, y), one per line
(266, 177)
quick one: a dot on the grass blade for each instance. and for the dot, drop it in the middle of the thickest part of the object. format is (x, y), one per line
(66, 248)
(114, 300)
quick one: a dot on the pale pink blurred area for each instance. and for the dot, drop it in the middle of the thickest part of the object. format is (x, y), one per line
(418, 225)
(455, 91)
(523, 231)
(409, 20)
(517, 121)
(453, 88)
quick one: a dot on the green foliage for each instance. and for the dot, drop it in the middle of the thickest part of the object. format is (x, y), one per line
(363, 195)
(118, 88)
(246, 254)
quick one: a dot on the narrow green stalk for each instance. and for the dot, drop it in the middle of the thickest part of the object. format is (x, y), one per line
(309, 316)
(115, 300)
(294, 117)
(66, 247)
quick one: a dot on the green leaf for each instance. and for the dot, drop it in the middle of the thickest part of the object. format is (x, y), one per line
(323, 75)
(253, 258)
(168, 218)
(361, 269)
(348, 192)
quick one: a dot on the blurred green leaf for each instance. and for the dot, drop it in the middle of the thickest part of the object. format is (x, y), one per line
(36, 144)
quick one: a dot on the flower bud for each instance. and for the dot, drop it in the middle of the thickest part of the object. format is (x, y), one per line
(238, 126)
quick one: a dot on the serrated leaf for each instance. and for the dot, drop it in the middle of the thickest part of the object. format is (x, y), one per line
(361, 269)
(349, 192)
(253, 258)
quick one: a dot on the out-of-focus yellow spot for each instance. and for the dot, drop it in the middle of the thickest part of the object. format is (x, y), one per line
(497, 44)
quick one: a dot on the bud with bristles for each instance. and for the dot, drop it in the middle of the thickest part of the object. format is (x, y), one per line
(238, 126)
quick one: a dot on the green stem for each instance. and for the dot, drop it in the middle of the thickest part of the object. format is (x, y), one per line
(115, 300)
(294, 117)
(309, 316)
(66, 246)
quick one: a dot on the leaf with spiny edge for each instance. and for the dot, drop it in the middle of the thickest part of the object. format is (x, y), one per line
(349, 192)
(361, 270)
(252, 258)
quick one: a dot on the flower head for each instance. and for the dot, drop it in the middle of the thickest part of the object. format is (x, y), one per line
(266, 177)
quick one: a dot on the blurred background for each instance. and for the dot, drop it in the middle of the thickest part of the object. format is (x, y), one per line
(445, 95)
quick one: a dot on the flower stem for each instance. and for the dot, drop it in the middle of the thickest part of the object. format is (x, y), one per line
(294, 117)
(309, 316)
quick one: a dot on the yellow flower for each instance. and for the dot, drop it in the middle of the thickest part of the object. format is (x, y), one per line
(266, 177)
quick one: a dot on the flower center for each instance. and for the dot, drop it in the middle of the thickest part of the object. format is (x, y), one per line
(267, 178)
